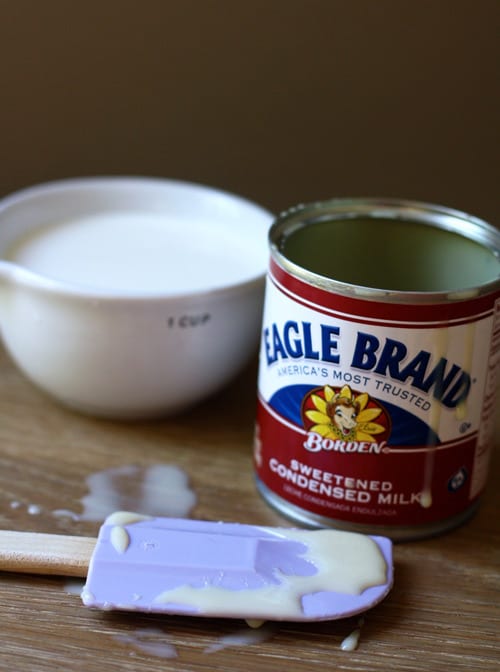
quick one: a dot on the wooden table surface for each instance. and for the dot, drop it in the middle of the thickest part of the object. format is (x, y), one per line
(442, 614)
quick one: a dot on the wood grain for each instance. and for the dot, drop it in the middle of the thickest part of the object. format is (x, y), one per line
(39, 553)
(442, 614)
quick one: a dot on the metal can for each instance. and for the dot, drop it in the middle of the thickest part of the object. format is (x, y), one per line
(378, 366)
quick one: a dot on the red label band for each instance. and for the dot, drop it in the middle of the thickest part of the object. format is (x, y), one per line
(357, 482)
(375, 413)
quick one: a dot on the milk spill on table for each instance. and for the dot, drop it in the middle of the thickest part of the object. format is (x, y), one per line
(31, 509)
(243, 637)
(152, 641)
(155, 641)
(74, 586)
(137, 253)
(154, 490)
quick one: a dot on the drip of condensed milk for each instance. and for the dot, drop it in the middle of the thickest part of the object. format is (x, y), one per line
(350, 643)
(442, 339)
(470, 331)
(441, 344)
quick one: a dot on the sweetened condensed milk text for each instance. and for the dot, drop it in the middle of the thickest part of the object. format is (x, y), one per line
(340, 487)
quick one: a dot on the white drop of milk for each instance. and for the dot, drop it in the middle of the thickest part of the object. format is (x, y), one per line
(34, 510)
(426, 499)
(65, 513)
(74, 587)
(350, 643)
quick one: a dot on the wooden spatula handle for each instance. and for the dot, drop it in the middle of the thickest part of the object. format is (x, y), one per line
(33, 553)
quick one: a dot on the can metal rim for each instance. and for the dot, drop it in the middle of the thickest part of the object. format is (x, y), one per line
(437, 216)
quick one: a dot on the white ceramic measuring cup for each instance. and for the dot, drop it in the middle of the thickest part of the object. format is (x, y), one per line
(133, 352)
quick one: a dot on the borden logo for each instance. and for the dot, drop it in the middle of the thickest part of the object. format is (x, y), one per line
(343, 421)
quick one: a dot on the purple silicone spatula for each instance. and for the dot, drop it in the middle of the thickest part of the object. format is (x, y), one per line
(201, 568)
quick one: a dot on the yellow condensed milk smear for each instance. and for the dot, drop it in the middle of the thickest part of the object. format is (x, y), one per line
(119, 539)
(441, 345)
(119, 536)
(126, 518)
(346, 563)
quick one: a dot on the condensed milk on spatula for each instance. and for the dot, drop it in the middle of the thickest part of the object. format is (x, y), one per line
(200, 568)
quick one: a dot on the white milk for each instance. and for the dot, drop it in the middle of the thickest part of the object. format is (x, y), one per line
(154, 490)
(140, 253)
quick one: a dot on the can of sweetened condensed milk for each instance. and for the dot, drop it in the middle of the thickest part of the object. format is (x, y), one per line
(378, 366)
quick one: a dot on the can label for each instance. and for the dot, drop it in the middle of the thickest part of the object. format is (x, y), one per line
(371, 412)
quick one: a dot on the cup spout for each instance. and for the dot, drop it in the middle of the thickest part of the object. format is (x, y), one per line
(7, 272)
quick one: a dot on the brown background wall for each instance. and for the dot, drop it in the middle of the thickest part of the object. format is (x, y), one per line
(280, 100)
